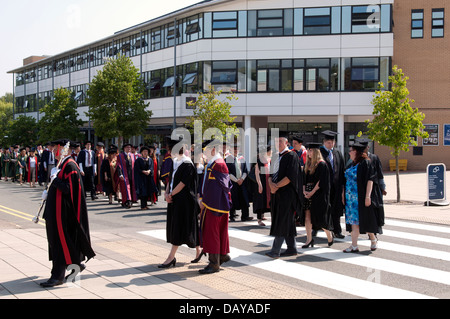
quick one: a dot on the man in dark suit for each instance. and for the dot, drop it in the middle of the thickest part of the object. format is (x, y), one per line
(335, 161)
(88, 168)
(237, 169)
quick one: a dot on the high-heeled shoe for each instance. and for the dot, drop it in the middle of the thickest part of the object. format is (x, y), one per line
(196, 260)
(330, 243)
(373, 245)
(311, 243)
(173, 262)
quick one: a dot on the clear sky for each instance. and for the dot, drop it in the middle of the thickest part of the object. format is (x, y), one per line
(48, 27)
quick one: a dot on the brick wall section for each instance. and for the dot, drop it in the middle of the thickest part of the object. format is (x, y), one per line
(426, 62)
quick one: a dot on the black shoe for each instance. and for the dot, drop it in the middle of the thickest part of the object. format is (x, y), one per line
(51, 283)
(196, 260)
(173, 262)
(272, 255)
(339, 235)
(287, 254)
(311, 243)
(224, 258)
(246, 219)
(330, 243)
(208, 270)
(82, 267)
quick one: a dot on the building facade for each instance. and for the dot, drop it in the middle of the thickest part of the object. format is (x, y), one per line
(297, 65)
(422, 51)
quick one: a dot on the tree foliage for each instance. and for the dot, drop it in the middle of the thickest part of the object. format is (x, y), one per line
(115, 99)
(396, 123)
(23, 131)
(60, 119)
(6, 115)
(213, 112)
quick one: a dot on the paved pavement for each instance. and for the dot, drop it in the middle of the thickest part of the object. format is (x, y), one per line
(126, 266)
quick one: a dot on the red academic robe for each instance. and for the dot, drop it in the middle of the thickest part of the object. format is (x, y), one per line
(216, 198)
(29, 169)
(66, 217)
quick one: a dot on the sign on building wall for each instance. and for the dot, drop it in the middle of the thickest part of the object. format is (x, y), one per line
(447, 134)
(436, 184)
(433, 135)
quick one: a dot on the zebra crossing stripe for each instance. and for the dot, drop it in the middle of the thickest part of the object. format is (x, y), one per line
(324, 278)
(391, 266)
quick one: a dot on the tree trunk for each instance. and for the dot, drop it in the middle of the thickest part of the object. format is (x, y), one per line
(397, 175)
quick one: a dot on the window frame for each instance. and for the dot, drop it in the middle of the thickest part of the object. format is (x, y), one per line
(413, 28)
(438, 27)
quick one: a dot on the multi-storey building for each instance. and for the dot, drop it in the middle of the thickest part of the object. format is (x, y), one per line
(297, 65)
(422, 51)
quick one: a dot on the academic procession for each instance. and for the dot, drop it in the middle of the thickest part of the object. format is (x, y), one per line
(205, 186)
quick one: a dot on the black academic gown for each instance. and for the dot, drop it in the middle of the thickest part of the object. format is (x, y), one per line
(144, 184)
(239, 194)
(182, 213)
(320, 201)
(107, 185)
(370, 219)
(66, 217)
(377, 193)
(286, 201)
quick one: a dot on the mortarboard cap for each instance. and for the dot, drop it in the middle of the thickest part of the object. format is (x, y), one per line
(329, 135)
(358, 146)
(100, 144)
(297, 138)
(363, 141)
(144, 148)
(313, 145)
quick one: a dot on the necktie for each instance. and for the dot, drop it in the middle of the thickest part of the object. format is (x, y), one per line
(238, 168)
(330, 156)
(89, 158)
(276, 168)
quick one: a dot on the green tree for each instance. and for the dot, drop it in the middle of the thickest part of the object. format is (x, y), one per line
(60, 119)
(23, 131)
(116, 100)
(6, 115)
(213, 112)
(396, 123)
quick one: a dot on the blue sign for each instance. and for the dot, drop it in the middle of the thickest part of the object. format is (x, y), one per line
(447, 134)
(436, 181)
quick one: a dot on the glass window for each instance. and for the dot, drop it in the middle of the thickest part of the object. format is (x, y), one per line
(365, 19)
(317, 21)
(437, 26)
(386, 19)
(270, 23)
(336, 20)
(417, 23)
(298, 21)
(363, 74)
(207, 24)
(224, 24)
(155, 37)
(242, 24)
(224, 72)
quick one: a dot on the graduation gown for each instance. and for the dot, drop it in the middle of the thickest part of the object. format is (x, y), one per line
(36, 168)
(125, 166)
(182, 213)
(337, 180)
(144, 184)
(320, 201)
(101, 156)
(66, 217)
(108, 168)
(239, 194)
(261, 201)
(371, 219)
(286, 201)
(216, 197)
(166, 168)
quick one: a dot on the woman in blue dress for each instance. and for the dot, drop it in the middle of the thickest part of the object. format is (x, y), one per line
(360, 214)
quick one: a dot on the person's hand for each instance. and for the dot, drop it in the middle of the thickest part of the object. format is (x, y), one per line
(368, 202)
(260, 188)
(82, 173)
(384, 193)
(307, 195)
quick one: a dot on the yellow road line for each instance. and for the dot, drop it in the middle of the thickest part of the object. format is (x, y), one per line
(22, 214)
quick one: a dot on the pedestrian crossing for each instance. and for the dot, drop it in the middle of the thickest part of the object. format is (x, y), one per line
(374, 275)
